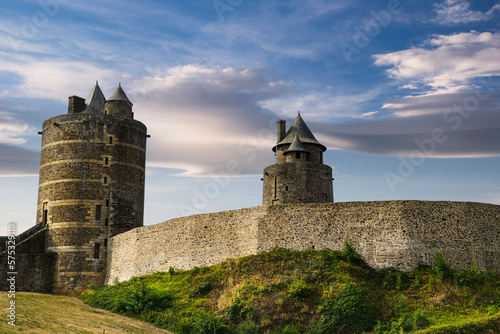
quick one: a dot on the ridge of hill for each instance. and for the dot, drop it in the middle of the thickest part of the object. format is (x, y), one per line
(310, 292)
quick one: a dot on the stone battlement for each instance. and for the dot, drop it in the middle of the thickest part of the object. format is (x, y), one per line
(399, 234)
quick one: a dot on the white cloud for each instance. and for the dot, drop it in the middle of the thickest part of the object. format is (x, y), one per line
(324, 105)
(453, 12)
(53, 79)
(201, 118)
(447, 63)
(12, 129)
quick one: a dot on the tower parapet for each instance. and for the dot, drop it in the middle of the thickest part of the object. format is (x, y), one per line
(91, 185)
(299, 175)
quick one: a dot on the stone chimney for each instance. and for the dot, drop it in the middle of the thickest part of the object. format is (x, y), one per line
(281, 130)
(76, 105)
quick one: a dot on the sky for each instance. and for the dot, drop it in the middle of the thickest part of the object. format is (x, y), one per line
(404, 94)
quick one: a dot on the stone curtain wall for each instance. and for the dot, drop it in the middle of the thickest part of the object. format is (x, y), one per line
(183, 243)
(398, 234)
(34, 268)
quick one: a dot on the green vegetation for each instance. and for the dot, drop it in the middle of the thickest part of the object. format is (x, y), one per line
(311, 292)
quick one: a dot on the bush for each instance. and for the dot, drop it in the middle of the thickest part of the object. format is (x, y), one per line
(470, 276)
(411, 322)
(201, 290)
(209, 323)
(248, 328)
(290, 329)
(441, 267)
(350, 254)
(238, 310)
(129, 297)
(299, 290)
(349, 310)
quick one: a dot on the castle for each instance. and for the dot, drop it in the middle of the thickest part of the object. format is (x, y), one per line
(90, 229)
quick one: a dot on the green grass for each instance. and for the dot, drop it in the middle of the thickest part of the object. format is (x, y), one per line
(310, 292)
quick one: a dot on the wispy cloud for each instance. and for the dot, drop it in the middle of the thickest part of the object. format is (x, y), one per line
(200, 118)
(325, 105)
(454, 12)
(52, 79)
(446, 63)
(12, 129)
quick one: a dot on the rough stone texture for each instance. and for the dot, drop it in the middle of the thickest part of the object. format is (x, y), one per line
(184, 243)
(398, 234)
(34, 267)
(35, 272)
(298, 176)
(299, 182)
(89, 163)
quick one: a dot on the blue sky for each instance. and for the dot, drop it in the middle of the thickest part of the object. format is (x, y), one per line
(405, 94)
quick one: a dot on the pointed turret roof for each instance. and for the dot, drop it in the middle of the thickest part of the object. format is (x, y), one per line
(300, 130)
(95, 100)
(119, 95)
(296, 146)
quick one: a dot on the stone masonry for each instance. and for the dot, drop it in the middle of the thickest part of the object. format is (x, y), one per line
(399, 234)
(299, 175)
(91, 184)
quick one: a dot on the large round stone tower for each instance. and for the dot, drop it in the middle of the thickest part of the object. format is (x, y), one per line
(91, 184)
(299, 175)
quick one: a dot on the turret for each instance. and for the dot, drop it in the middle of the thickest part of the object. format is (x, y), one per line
(118, 104)
(299, 175)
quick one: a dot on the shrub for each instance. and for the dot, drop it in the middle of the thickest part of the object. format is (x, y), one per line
(410, 322)
(441, 267)
(209, 323)
(350, 254)
(238, 310)
(247, 328)
(470, 276)
(349, 310)
(299, 290)
(201, 290)
(130, 297)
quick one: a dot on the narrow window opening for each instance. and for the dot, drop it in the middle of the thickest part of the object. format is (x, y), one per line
(312, 247)
(97, 212)
(297, 155)
(45, 213)
(107, 202)
(106, 222)
(111, 140)
(106, 161)
(286, 188)
(101, 131)
(106, 243)
(105, 180)
(96, 251)
(275, 187)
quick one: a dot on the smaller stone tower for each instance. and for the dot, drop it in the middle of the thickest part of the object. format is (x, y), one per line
(299, 175)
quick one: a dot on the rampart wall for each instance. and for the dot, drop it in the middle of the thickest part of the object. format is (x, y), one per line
(398, 234)
(33, 267)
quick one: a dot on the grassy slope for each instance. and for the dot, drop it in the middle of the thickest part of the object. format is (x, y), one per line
(43, 313)
(308, 292)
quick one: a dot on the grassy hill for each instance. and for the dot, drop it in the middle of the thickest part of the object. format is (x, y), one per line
(311, 292)
(43, 313)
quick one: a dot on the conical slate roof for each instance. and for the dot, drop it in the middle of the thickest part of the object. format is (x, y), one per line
(95, 101)
(119, 95)
(300, 130)
(296, 146)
